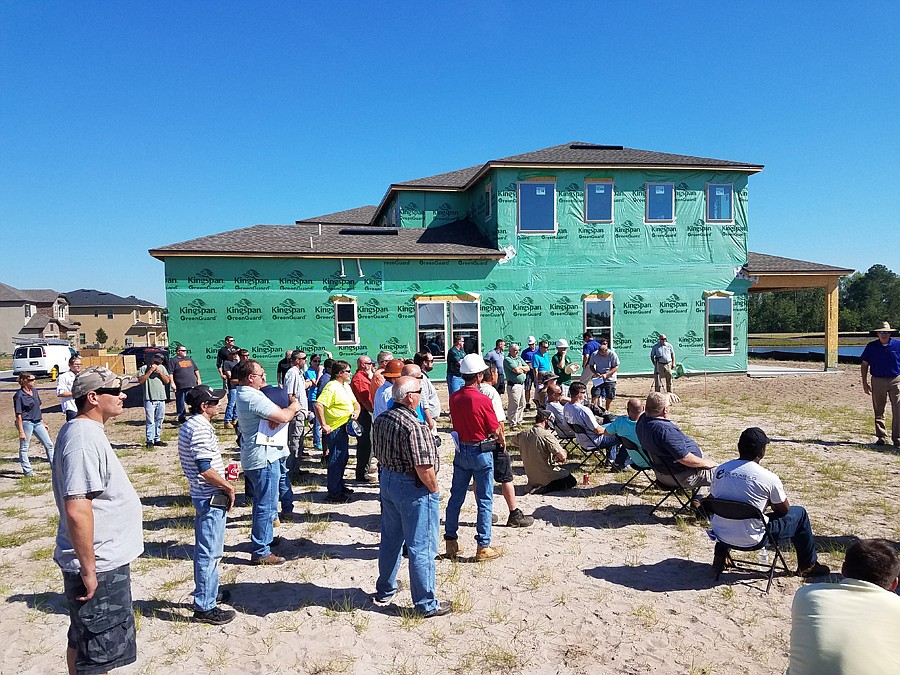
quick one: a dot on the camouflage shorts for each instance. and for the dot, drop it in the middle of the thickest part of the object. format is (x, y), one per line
(102, 629)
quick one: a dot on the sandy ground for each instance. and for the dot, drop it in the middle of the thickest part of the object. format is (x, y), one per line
(596, 585)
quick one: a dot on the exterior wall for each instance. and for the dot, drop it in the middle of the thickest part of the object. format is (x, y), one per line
(119, 327)
(12, 318)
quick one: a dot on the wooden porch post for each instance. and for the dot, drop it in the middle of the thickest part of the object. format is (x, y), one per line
(831, 324)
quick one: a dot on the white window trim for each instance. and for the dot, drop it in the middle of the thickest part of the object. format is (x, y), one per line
(338, 341)
(612, 316)
(647, 220)
(706, 205)
(706, 326)
(534, 233)
(438, 357)
(477, 302)
(29, 311)
(612, 198)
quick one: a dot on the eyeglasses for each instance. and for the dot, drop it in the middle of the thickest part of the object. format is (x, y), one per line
(181, 351)
(112, 391)
(30, 379)
(416, 391)
(419, 377)
(884, 332)
(229, 340)
(257, 374)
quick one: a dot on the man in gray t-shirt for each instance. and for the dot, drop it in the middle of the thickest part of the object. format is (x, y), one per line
(99, 531)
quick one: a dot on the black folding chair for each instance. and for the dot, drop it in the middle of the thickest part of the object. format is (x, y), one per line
(733, 510)
(671, 485)
(639, 461)
(564, 433)
(592, 449)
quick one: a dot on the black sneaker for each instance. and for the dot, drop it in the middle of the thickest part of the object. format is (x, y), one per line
(880, 441)
(519, 519)
(215, 616)
(443, 608)
(347, 491)
(160, 444)
(338, 499)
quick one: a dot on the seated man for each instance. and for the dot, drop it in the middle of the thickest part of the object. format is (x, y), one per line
(850, 627)
(744, 480)
(555, 405)
(659, 436)
(624, 427)
(577, 412)
(539, 448)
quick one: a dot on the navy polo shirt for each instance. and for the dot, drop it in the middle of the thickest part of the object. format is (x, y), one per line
(883, 360)
(667, 441)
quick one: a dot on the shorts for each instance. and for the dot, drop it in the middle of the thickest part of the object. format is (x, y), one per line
(607, 390)
(102, 629)
(502, 467)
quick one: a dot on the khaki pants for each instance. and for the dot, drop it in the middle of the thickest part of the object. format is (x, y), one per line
(516, 409)
(884, 388)
(660, 371)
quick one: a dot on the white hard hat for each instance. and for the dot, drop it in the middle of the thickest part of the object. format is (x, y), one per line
(472, 364)
(531, 340)
(562, 343)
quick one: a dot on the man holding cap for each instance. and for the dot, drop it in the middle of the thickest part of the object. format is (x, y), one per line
(744, 480)
(211, 494)
(662, 356)
(99, 531)
(883, 357)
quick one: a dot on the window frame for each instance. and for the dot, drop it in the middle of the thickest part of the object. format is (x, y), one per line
(594, 329)
(453, 331)
(657, 221)
(443, 355)
(29, 310)
(535, 233)
(337, 323)
(612, 199)
(709, 204)
(707, 325)
(109, 315)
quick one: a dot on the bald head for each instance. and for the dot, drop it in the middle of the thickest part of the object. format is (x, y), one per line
(406, 391)
(411, 370)
(635, 407)
(657, 404)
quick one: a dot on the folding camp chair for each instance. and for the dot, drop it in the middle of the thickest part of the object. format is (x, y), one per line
(673, 487)
(733, 510)
(593, 449)
(639, 461)
(564, 433)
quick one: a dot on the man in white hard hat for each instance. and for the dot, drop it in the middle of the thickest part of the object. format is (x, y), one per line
(560, 361)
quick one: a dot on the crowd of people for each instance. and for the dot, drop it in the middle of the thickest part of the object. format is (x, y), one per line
(391, 407)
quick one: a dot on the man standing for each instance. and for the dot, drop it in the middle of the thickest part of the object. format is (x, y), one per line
(561, 361)
(850, 628)
(295, 384)
(283, 366)
(99, 531)
(359, 383)
(225, 353)
(495, 356)
(154, 378)
(541, 455)
(662, 356)
(659, 436)
(516, 370)
(528, 357)
(430, 400)
(590, 346)
(882, 356)
(185, 374)
(479, 435)
(454, 359)
(541, 363)
(64, 388)
(410, 500)
(261, 462)
(604, 364)
(228, 365)
(744, 480)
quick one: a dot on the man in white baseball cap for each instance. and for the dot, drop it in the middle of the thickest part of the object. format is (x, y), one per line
(559, 362)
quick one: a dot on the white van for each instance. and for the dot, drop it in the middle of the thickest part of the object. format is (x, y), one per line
(42, 358)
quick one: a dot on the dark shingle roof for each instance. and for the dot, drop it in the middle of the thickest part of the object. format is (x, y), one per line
(35, 295)
(361, 215)
(760, 262)
(459, 239)
(88, 297)
(455, 179)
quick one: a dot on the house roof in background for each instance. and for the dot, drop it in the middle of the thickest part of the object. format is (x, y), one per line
(89, 297)
(41, 296)
(762, 263)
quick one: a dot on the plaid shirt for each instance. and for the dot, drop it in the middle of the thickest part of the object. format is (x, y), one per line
(401, 442)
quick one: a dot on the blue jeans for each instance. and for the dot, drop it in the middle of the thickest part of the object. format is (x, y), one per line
(455, 383)
(411, 514)
(230, 415)
(39, 430)
(338, 444)
(154, 412)
(179, 404)
(317, 434)
(209, 547)
(285, 493)
(794, 525)
(468, 463)
(264, 483)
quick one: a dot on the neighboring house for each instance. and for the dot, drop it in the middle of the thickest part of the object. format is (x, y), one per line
(33, 313)
(128, 322)
(628, 243)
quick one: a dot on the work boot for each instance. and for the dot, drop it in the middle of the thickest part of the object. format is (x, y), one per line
(485, 553)
(519, 519)
(816, 570)
(270, 559)
(452, 548)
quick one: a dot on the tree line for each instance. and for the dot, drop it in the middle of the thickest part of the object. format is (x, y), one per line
(865, 301)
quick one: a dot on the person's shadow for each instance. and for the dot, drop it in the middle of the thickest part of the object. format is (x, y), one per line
(55, 603)
(672, 574)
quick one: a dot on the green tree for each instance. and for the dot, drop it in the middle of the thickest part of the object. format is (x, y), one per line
(870, 298)
(101, 336)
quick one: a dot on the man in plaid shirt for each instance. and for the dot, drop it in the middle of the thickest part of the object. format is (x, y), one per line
(409, 499)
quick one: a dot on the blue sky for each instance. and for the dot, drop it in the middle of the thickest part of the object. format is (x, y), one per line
(130, 125)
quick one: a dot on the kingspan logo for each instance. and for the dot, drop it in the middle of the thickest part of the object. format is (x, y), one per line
(491, 287)
(394, 345)
(324, 311)
(571, 193)
(491, 308)
(592, 231)
(685, 193)
(372, 282)
(372, 309)
(266, 349)
(171, 282)
(335, 281)
(410, 210)
(673, 305)
(563, 306)
(627, 230)
(650, 340)
(214, 349)
(407, 310)
(527, 307)
(311, 346)
(700, 306)
(472, 263)
(620, 341)
(690, 339)
(637, 304)
(352, 350)
(699, 228)
(250, 279)
(294, 281)
(288, 310)
(507, 195)
(196, 310)
(433, 263)
(205, 279)
(446, 212)
(243, 310)
(735, 229)
(413, 288)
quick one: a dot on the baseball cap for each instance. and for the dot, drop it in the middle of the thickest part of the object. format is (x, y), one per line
(472, 364)
(277, 395)
(203, 394)
(94, 378)
(393, 369)
(562, 342)
(531, 340)
(753, 439)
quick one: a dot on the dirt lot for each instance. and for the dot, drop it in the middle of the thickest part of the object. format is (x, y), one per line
(596, 585)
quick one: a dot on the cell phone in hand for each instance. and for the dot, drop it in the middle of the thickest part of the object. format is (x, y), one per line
(220, 501)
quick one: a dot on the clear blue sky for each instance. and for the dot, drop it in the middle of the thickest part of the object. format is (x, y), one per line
(130, 125)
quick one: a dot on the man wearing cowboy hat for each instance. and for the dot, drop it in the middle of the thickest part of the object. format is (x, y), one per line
(882, 356)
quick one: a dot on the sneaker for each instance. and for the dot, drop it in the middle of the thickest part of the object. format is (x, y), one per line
(389, 600)
(452, 548)
(485, 553)
(519, 519)
(270, 559)
(215, 616)
(817, 570)
(161, 444)
(224, 595)
(149, 445)
(338, 499)
(494, 519)
(347, 491)
(443, 608)
(288, 517)
(880, 441)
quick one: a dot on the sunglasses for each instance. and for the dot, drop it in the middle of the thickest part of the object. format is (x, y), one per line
(30, 379)
(112, 391)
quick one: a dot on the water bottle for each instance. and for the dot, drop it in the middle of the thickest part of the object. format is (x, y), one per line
(763, 556)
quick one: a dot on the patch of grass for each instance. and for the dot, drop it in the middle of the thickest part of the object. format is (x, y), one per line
(646, 614)
(462, 601)
(173, 583)
(318, 524)
(21, 536)
(497, 614)
(535, 581)
(410, 618)
(14, 512)
(43, 553)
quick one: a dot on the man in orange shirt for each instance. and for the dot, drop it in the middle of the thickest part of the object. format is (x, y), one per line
(360, 383)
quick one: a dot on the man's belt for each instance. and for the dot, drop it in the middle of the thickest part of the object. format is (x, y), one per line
(480, 444)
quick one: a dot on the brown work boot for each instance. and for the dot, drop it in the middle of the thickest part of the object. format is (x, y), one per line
(270, 559)
(815, 570)
(485, 553)
(452, 548)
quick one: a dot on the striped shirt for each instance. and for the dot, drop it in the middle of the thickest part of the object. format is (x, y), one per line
(401, 442)
(197, 440)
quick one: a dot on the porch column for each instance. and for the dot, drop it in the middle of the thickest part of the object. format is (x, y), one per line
(831, 324)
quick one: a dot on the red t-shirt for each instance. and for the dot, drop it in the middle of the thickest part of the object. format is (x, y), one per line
(359, 383)
(473, 415)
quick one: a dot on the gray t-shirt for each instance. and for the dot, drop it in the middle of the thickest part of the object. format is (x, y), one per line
(602, 364)
(84, 463)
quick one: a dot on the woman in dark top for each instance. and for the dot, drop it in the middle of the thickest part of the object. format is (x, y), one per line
(27, 406)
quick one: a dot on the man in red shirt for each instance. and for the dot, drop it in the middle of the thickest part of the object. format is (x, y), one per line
(479, 433)
(360, 384)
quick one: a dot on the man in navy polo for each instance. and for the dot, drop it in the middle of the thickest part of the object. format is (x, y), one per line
(882, 356)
